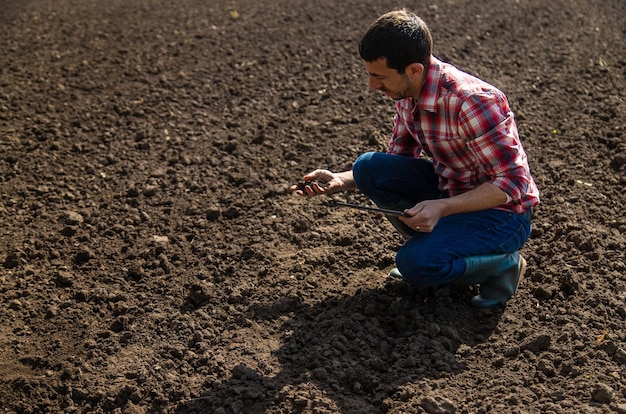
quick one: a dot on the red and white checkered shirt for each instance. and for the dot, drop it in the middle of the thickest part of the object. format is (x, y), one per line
(466, 126)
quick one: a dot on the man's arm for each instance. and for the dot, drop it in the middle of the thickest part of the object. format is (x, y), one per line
(483, 197)
(426, 214)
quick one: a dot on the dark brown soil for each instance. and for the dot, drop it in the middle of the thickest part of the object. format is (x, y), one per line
(152, 259)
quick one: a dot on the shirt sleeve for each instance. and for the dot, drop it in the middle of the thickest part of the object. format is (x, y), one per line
(492, 137)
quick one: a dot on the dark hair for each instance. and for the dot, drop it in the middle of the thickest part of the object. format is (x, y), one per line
(399, 36)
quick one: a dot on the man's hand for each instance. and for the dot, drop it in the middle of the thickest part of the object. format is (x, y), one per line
(424, 216)
(321, 182)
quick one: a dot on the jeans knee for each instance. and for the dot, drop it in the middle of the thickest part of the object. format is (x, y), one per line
(361, 169)
(424, 270)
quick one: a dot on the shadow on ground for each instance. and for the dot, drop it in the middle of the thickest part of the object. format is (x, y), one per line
(354, 352)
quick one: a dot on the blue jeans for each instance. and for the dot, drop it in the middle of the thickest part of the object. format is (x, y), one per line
(397, 182)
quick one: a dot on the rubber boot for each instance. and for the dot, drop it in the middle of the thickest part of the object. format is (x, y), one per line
(395, 274)
(497, 274)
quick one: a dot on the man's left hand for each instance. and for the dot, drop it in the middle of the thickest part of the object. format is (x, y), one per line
(424, 216)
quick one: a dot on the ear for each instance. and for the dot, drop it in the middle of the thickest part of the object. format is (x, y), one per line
(414, 70)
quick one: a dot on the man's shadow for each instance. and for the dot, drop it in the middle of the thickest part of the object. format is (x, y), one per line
(354, 352)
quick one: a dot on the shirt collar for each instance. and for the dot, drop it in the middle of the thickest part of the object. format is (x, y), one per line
(430, 90)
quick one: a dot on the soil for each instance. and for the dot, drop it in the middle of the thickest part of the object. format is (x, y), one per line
(152, 259)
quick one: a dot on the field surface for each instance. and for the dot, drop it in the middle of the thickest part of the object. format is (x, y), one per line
(152, 259)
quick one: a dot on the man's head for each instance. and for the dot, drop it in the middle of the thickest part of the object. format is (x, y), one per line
(396, 49)
(400, 37)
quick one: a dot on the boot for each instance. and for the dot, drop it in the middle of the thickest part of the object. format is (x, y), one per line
(395, 274)
(498, 276)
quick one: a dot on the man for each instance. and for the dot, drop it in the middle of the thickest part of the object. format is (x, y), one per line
(455, 165)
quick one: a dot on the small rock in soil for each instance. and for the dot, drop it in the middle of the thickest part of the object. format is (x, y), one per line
(64, 279)
(437, 405)
(602, 393)
(73, 218)
(537, 344)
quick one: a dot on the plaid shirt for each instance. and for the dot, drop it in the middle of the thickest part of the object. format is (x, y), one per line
(466, 126)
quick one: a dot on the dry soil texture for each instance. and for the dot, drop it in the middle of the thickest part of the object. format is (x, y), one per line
(152, 259)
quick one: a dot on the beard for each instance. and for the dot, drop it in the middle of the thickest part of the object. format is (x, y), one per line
(395, 95)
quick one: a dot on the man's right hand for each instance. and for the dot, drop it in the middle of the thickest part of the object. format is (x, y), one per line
(321, 182)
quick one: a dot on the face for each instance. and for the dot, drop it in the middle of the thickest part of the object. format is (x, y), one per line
(393, 84)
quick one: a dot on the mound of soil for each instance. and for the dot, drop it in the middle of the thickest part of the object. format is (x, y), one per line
(152, 259)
